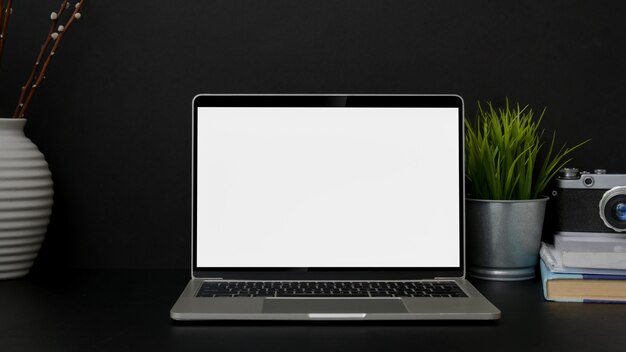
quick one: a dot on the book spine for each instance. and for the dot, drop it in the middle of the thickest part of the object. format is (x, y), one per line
(544, 275)
(547, 257)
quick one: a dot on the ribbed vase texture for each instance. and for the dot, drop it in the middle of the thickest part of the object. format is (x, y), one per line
(25, 199)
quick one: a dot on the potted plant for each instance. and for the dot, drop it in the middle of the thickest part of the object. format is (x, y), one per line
(507, 166)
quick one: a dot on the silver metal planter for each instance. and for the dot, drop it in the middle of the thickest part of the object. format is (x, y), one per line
(503, 237)
(25, 199)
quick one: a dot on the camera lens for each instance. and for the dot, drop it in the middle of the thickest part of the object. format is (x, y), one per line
(613, 208)
(619, 211)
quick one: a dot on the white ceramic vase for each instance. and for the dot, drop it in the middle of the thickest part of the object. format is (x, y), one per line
(25, 199)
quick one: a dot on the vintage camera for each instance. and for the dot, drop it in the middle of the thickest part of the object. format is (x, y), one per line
(590, 203)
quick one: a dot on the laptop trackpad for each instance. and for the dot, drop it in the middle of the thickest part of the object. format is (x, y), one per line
(330, 305)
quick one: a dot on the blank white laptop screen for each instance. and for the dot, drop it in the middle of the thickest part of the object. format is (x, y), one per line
(327, 187)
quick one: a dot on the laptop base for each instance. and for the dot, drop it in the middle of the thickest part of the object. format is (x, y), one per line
(188, 307)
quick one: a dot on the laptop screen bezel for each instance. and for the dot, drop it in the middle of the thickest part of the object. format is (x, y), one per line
(334, 101)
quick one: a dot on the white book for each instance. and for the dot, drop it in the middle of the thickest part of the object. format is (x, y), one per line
(554, 261)
(595, 252)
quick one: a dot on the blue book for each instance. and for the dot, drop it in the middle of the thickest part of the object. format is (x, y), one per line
(588, 288)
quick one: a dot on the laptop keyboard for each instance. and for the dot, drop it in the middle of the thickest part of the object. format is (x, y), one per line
(330, 289)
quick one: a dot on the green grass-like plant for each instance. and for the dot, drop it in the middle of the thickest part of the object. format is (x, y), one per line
(505, 156)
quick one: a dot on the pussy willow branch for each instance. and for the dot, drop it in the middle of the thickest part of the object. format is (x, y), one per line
(4, 20)
(42, 51)
(57, 37)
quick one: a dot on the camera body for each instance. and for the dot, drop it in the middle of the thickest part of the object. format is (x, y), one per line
(590, 204)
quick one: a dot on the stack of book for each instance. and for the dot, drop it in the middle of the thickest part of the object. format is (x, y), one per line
(584, 269)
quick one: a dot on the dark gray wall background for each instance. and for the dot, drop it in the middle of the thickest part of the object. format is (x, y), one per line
(113, 116)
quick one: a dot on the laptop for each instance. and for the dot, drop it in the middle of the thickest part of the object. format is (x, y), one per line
(328, 207)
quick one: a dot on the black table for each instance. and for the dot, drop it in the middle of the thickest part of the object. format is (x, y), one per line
(129, 311)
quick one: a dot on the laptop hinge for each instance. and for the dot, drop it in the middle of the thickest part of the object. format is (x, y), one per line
(445, 278)
(210, 278)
